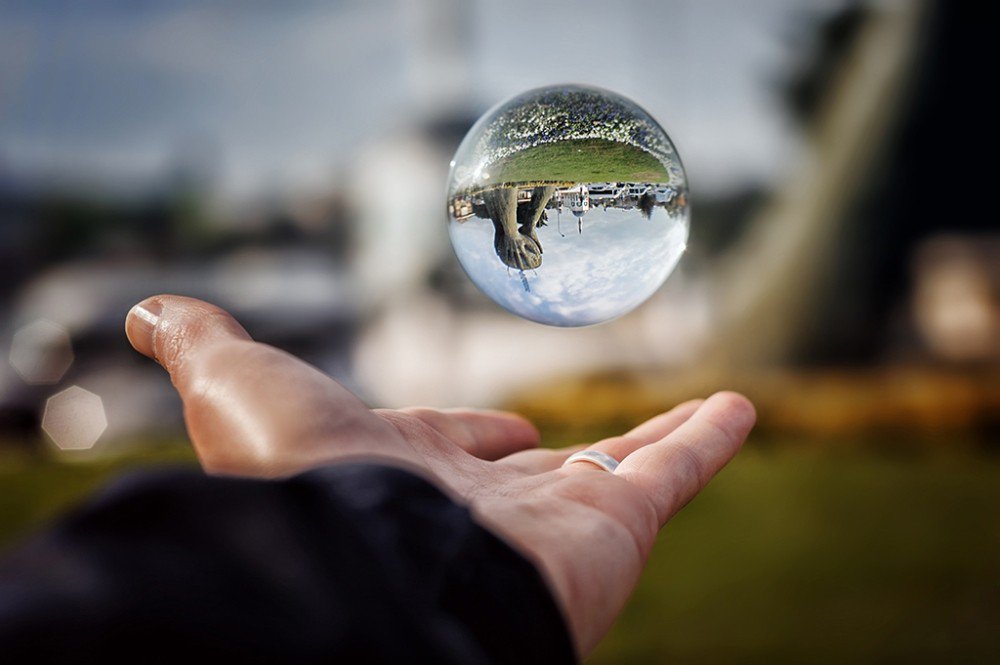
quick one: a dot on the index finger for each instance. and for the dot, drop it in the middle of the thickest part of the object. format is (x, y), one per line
(673, 470)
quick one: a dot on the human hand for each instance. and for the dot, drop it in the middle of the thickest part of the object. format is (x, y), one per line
(252, 410)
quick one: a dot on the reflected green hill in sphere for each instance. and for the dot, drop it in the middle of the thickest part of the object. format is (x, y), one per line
(583, 160)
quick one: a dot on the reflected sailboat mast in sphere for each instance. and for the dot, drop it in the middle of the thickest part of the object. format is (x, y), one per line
(567, 205)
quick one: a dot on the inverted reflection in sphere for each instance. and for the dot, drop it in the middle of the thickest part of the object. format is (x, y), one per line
(567, 205)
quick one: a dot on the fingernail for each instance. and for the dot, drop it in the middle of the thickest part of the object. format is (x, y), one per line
(140, 324)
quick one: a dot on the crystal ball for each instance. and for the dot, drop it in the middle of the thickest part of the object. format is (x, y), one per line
(567, 205)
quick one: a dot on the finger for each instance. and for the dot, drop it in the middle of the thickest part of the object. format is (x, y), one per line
(651, 431)
(659, 426)
(166, 336)
(486, 434)
(250, 409)
(671, 471)
(540, 460)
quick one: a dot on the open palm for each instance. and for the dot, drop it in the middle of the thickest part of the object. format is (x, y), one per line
(253, 410)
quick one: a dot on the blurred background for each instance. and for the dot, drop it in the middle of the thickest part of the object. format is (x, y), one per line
(287, 162)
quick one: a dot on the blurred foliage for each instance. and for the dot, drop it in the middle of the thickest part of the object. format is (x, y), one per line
(864, 409)
(77, 224)
(830, 41)
(38, 486)
(793, 553)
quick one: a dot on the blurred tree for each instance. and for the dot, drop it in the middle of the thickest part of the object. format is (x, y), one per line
(923, 182)
(805, 90)
(823, 269)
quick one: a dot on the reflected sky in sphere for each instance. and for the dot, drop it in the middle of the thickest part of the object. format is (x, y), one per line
(567, 205)
(618, 261)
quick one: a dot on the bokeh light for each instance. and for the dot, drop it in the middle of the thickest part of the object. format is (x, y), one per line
(74, 419)
(41, 352)
(956, 303)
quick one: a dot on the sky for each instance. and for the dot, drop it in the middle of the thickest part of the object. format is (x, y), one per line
(618, 260)
(275, 96)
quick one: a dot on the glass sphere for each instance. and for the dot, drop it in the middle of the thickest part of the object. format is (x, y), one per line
(567, 205)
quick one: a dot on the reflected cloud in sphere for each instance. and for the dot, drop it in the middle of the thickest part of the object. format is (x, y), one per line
(617, 262)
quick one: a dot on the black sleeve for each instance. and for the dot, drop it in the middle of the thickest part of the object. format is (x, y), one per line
(349, 563)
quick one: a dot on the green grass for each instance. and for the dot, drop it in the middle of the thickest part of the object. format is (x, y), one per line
(799, 556)
(37, 488)
(589, 160)
(793, 554)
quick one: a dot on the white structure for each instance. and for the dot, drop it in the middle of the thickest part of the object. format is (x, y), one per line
(577, 199)
(665, 194)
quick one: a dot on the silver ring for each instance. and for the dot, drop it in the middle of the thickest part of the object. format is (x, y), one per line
(595, 457)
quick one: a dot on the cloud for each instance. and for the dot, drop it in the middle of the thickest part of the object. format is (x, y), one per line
(285, 90)
(619, 260)
(276, 91)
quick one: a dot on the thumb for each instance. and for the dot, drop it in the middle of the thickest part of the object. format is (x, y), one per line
(250, 409)
(170, 329)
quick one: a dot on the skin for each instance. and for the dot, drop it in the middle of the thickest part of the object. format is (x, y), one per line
(253, 410)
